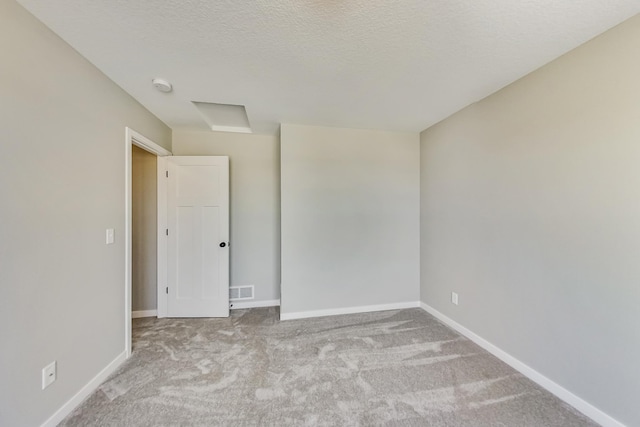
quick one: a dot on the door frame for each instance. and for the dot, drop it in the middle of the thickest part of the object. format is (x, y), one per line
(134, 138)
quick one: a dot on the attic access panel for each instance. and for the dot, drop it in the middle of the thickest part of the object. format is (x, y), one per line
(224, 117)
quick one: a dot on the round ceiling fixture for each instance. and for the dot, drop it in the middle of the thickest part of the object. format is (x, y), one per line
(162, 85)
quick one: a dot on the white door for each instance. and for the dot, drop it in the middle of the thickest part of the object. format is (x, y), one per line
(198, 236)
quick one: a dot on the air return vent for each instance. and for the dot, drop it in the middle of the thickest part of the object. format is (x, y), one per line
(239, 293)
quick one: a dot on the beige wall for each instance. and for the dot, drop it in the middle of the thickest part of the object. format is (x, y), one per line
(350, 218)
(62, 129)
(531, 212)
(254, 164)
(144, 230)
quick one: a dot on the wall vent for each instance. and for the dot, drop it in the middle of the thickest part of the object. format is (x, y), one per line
(239, 293)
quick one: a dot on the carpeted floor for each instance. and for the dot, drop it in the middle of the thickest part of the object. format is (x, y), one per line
(392, 368)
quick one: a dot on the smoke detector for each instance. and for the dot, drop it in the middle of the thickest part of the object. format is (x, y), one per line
(162, 85)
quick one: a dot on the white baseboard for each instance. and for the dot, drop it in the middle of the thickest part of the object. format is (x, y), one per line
(239, 305)
(85, 391)
(144, 313)
(348, 310)
(581, 405)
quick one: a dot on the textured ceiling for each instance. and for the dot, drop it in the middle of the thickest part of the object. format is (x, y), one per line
(394, 65)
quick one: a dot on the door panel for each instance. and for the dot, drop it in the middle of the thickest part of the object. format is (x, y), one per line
(198, 221)
(211, 232)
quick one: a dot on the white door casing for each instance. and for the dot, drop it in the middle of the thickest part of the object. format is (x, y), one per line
(198, 236)
(134, 138)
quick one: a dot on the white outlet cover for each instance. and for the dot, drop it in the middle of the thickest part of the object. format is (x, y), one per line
(454, 298)
(48, 374)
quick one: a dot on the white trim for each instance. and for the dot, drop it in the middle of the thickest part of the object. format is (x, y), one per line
(254, 304)
(144, 313)
(145, 143)
(85, 391)
(127, 244)
(348, 310)
(132, 138)
(162, 238)
(581, 405)
(234, 129)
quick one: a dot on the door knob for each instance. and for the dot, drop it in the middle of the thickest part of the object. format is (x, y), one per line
(223, 244)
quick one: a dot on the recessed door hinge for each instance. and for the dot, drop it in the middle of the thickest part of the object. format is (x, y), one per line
(167, 290)
(167, 231)
(167, 172)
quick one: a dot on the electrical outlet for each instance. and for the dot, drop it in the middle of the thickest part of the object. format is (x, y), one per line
(48, 374)
(454, 298)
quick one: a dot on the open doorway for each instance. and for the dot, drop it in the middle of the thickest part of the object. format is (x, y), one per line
(144, 230)
(135, 139)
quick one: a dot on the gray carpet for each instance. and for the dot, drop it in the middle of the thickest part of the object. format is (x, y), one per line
(392, 368)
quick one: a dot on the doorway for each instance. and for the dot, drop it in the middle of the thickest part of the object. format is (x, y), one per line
(144, 230)
(135, 139)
